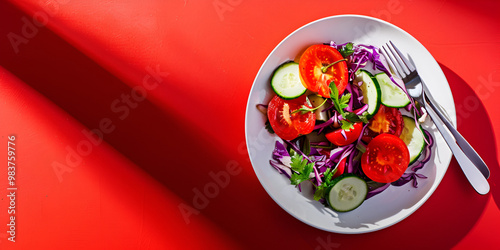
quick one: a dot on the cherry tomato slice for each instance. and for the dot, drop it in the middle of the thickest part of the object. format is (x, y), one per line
(387, 120)
(386, 158)
(311, 63)
(351, 135)
(286, 124)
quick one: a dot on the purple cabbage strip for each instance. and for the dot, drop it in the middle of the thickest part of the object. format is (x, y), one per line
(357, 98)
(318, 160)
(318, 178)
(337, 152)
(325, 124)
(334, 119)
(338, 46)
(361, 61)
(351, 163)
(314, 151)
(351, 102)
(376, 191)
(408, 107)
(407, 177)
(320, 143)
(279, 151)
(281, 169)
(347, 151)
(322, 164)
(361, 110)
(342, 132)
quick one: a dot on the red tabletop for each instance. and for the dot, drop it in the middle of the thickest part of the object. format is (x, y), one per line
(127, 123)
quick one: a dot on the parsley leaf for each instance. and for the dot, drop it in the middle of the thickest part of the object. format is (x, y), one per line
(351, 118)
(364, 117)
(344, 100)
(347, 50)
(302, 169)
(341, 104)
(346, 125)
(334, 92)
(323, 188)
(357, 118)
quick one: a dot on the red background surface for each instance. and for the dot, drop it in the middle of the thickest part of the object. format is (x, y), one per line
(166, 83)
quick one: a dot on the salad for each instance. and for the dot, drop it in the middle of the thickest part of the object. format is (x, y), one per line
(347, 125)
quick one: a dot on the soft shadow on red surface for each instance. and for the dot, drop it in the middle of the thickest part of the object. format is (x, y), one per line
(169, 149)
(475, 125)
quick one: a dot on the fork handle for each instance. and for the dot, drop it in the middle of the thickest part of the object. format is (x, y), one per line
(462, 142)
(475, 177)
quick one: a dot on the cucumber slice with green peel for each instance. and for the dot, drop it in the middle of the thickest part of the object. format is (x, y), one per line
(413, 138)
(286, 81)
(371, 91)
(392, 95)
(347, 193)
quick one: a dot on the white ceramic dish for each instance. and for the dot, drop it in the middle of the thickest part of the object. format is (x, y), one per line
(395, 203)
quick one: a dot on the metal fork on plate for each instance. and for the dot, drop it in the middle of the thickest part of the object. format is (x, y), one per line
(471, 163)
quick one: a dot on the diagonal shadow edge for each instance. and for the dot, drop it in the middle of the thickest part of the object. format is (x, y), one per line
(44, 66)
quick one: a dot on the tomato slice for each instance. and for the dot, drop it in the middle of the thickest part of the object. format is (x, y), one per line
(286, 124)
(386, 158)
(340, 168)
(351, 135)
(387, 120)
(311, 63)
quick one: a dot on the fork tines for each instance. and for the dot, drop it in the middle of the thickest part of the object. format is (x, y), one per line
(397, 62)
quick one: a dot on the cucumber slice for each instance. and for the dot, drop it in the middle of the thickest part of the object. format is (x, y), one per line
(286, 81)
(370, 89)
(347, 193)
(413, 138)
(392, 95)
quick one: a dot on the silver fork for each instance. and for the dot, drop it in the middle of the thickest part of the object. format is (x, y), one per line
(462, 142)
(477, 171)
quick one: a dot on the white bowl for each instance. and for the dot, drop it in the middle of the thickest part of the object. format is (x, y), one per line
(395, 203)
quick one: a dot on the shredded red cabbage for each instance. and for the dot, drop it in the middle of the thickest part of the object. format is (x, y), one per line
(324, 157)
